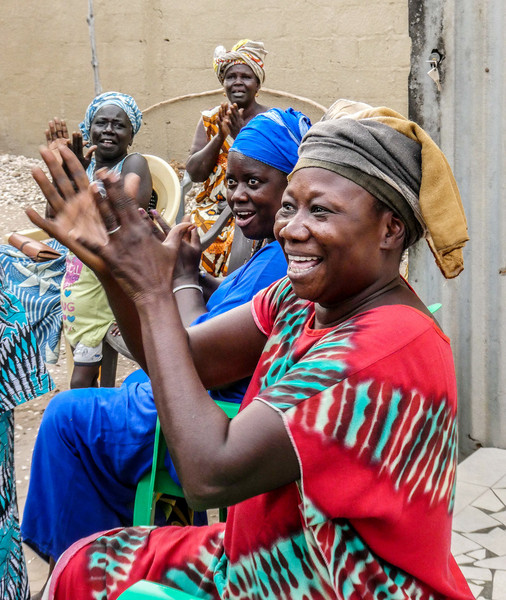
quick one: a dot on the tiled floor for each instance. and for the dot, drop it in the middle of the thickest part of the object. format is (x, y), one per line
(479, 523)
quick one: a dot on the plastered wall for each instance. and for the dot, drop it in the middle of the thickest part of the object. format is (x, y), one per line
(159, 49)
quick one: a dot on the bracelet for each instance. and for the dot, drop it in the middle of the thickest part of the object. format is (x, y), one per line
(187, 286)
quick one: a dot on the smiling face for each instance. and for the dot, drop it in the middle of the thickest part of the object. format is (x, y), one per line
(254, 192)
(241, 85)
(333, 237)
(111, 131)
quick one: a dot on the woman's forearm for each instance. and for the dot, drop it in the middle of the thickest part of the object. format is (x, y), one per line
(185, 409)
(218, 461)
(190, 302)
(201, 164)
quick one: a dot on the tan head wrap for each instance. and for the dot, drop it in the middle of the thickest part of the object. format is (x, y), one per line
(396, 161)
(245, 52)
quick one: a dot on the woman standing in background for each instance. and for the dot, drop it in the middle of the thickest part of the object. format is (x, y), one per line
(241, 72)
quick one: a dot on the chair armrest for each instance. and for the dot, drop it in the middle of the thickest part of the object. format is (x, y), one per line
(118, 343)
(208, 238)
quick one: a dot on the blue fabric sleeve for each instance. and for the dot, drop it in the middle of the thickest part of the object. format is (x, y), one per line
(262, 269)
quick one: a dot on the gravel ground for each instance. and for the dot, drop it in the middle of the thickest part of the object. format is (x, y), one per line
(18, 191)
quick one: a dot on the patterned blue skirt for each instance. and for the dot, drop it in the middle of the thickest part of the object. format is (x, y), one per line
(23, 376)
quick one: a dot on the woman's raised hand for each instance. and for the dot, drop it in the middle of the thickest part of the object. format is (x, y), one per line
(235, 119)
(223, 121)
(72, 200)
(78, 149)
(106, 231)
(230, 120)
(141, 264)
(186, 269)
(57, 136)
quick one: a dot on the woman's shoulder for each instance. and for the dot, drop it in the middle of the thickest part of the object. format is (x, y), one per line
(278, 304)
(135, 159)
(401, 319)
(211, 113)
(390, 328)
(135, 163)
(392, 334)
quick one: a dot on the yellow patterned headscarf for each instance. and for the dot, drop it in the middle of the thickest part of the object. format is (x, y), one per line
(245, 52)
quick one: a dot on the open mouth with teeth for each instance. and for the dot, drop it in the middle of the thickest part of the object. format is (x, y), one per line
(302, 264)
(244, 217)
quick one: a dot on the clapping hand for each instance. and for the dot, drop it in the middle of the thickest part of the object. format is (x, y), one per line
(186, 268)
(230, 120)
(57, 137)
(72, 200)
(78, 149)
(235, 118)
(106, 231)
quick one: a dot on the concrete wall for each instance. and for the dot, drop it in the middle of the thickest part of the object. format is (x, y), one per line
(468, 119)
(159, 49)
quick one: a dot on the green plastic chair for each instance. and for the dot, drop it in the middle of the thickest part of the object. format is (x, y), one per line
(154, 591)
(158, 481)
(434, 307)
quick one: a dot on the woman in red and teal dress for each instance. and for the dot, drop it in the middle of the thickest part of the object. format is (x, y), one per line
(340, 466)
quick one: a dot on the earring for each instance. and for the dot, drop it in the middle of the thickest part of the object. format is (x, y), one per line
(224, 94)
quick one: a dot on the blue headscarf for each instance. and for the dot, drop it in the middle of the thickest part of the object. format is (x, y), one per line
(124, 101)
(273, 138)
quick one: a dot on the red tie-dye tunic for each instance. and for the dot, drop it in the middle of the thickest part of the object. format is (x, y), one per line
(370, 407)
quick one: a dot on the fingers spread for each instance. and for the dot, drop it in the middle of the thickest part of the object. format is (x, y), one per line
(39, 221)
(48, 189)
(60, 178)
(75, 168)
(121, 202)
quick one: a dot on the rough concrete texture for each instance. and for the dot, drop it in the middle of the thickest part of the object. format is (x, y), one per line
(159, 49)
